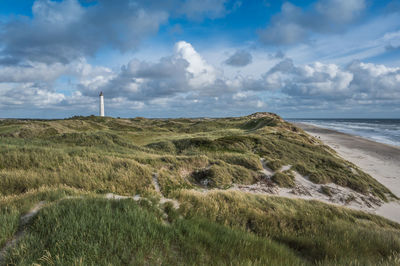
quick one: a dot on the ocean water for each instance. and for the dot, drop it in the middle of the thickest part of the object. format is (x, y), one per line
(379, 130)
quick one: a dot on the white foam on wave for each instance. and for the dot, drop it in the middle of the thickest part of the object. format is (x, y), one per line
(376, 130)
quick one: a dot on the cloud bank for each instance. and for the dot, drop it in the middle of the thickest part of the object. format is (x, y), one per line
(293, 24)
(46, 60)
(60, 32)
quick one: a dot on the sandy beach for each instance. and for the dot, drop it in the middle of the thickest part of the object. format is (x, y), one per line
(381, 161)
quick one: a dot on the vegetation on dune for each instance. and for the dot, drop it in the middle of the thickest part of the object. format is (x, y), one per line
(273, 164)
(222, 175)
(326, 190)
(283, 179)
(12, 207)
(320, 233)
(217, 227)
(57, 160)
(24, 168)
(119, 155)
(96, 232)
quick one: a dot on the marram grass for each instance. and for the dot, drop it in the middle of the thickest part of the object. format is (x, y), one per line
(103, 232)
(70, 164)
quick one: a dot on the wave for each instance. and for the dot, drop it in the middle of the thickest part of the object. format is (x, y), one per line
(380, 130)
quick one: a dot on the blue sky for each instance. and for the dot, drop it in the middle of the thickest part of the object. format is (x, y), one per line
(180, 58)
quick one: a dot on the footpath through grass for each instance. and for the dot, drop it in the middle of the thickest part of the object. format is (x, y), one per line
(216, 228)
(104, 232)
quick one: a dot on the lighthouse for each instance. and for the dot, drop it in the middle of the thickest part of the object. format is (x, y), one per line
(101, 104)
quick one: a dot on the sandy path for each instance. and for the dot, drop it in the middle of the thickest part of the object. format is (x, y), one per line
(156, 185)
(24, 220)
(381, 161)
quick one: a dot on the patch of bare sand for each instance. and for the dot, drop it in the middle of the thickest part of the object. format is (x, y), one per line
(156, 185)
(305, 189)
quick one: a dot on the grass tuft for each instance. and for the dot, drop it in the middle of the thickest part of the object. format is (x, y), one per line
(283, 179)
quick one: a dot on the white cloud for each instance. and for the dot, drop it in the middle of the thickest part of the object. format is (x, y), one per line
(185, 82)
(201, 73)
(341, 11)
(375, 82)
(57, 13)
(186, 78)
(294, 25)
(318, 82)
(62, 31)
(360, 42)
(32, 72)
(29, 95)
(185, 71)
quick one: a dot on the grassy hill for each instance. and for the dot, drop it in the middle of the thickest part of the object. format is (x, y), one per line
(71, 164)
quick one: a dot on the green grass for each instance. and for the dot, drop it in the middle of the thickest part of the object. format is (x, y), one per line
(321, 233)
(222, 175)
(51, 160)
(213, 228)
(274, 165)
(23, 168)
(101, 232)
(103, 154)
(12, 207)
(283, 179)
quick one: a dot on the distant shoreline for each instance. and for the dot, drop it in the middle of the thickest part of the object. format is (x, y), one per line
(380, 160)
(379, 130)
(315, 129)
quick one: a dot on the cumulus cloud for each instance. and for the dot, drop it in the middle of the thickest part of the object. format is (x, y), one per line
(356, 83)
(185, 78)
(340, 11)
(32, 72)
(62, 31)
(375, 82)
(201, 73)
(33, 94)
(48, 73)
(184, 82)
(239, 59)
(183, 72)
(293, 24)
(177, 81)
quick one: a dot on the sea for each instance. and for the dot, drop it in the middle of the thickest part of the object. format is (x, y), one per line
(380, 130)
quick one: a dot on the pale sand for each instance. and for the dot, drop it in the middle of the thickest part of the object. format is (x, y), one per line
(307, 190)
(379, 160)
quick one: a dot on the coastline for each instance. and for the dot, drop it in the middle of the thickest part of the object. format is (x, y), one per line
(381, 161)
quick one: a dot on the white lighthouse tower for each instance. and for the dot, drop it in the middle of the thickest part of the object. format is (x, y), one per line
(101, 104)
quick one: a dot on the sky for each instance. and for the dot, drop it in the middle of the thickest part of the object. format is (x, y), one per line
(209, 58)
